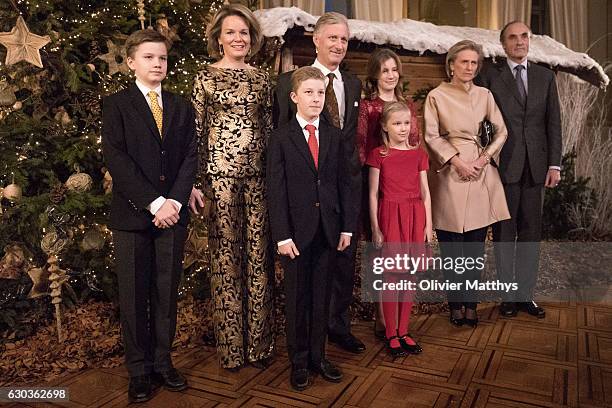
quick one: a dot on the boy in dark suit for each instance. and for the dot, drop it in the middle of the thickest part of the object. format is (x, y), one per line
(150, 150)
(341, 109)
(310, 219)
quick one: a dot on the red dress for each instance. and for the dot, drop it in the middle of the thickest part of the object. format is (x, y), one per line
(401, 212)
(368, 126)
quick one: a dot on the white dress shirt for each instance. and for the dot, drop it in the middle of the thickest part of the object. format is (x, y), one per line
(338, 87)
(159, 201)
(145, 91)
(303, 122)
(513, 65)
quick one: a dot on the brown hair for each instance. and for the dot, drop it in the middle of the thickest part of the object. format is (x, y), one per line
(304, 73)
(330, 18)
(143, 36)
(503, 30)
(388, 109)
(462, 46)
(213, 31)
(375, 61)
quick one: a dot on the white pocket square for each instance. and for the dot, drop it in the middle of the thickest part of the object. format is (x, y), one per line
(356, 104)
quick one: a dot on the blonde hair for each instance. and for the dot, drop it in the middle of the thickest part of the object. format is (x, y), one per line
(305, 73)
(462, 46)
(142, 36)
(330, 18)
(388, 109)
(213, 32)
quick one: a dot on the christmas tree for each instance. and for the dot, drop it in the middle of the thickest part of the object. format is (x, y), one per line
(58, 60)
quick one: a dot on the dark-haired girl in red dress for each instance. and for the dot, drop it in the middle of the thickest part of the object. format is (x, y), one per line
(383, 84)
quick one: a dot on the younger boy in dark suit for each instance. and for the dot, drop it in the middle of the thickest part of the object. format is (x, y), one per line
(308, 182)
(149, 147)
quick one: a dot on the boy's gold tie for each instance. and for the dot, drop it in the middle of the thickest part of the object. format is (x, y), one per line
(156, 109)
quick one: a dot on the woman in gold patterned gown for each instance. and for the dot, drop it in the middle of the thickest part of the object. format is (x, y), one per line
(233, 113)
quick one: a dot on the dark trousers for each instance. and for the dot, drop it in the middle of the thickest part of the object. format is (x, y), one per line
(455, 245)
(343, 281)
(307, 291)
(517, 240)
(148, 265)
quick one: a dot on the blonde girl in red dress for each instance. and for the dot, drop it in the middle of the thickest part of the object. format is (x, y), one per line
(400, 212)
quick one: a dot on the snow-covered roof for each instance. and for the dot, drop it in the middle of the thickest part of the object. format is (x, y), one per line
(419, 36)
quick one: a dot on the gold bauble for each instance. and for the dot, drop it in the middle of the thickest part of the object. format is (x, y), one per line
(7, 94)
(62, 116)
(52, 243)
(93, 240)
(12, 192)
(13, 261)
(79, 182)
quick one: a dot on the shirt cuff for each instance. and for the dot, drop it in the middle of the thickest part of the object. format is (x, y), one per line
(178, 205)
(156, 204)
(348, 234)
(554, 168)
(286, 241)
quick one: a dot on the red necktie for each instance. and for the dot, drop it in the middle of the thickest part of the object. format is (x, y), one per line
(312, 144)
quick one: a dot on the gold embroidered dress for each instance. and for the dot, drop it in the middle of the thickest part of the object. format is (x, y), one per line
(233, 121)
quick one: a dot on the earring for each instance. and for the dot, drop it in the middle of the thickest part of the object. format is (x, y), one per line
(221, 49)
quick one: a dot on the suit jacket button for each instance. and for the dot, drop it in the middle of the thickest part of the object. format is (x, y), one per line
(317, 204)
(163, 152)
(318, 182)
(162, 178)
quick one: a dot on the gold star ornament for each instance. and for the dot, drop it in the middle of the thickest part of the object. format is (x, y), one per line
(115, 58)
(22, 45)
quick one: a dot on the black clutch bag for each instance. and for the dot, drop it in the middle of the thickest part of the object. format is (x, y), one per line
(485, 133)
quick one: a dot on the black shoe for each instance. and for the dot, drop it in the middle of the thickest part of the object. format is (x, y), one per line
(172, 380)
(140, 388)
(471, 322)
(262, 363)
(379, 333)
(455, 320)
(328, 371)
(533, 309)
(507, 309)
(348, 342)
(412, 349)
(299, 378)
(395, 351)
(235, 369)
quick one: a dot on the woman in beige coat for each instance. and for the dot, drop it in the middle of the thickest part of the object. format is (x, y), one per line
(466, 190)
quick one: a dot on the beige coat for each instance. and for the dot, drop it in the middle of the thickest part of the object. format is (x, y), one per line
(452, 118)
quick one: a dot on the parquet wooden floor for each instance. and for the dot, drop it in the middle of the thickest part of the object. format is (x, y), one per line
(564, 360)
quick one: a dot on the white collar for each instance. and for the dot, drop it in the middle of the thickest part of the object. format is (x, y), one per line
(303, 122)
(513, 64)
(326, 70)
(145, 89)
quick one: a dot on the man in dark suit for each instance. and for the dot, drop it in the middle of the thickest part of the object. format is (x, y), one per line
(149, 146)
(530, 160)
(311, 219)
(341, 110)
